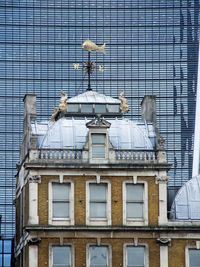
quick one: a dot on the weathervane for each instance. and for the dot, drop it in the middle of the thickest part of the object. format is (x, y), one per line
(89, 67)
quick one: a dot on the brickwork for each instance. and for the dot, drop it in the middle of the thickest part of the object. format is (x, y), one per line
(80, 197)
(177, 252)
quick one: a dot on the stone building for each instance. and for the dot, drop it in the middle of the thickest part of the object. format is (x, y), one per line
(92, 190)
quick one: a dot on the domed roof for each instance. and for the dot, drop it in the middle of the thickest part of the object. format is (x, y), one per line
(186, 205)
(72, 134)
(93, 97)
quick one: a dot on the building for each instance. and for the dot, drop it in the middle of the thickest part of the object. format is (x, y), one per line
(153, 50)
(92, 190)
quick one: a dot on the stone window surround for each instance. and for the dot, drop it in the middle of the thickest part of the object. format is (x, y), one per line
(136, 222)
(98, 221)
(61, 221)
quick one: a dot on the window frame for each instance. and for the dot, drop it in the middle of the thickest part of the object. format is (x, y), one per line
(93, 145)
(98, 221)
(146, 253)
(187, 255)
(109, 250)
(101, 132)
(65, 220)
(137, 221)
(51, 245)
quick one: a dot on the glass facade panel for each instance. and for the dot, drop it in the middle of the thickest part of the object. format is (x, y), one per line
(152, 49)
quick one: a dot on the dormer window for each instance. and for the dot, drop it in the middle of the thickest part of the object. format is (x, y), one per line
(98, 145)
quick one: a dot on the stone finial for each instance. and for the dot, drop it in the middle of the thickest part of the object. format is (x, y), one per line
(123, 103)
(161, 143)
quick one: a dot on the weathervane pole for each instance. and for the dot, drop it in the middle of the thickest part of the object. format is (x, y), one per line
(89, 71)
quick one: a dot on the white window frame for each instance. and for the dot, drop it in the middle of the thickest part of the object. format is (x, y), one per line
(61, 221)
(136, 222)
(101, 245)
(58, 245)
(187, 257)
(146, 253)
(103, 132)
(98, 221)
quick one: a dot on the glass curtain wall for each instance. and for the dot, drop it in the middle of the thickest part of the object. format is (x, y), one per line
(152, 49)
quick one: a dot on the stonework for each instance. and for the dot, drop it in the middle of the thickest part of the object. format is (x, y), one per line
(136, 220)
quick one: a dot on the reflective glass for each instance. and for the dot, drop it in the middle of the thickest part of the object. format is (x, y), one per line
(135, 256)
(61, 210)
(61, 200)
(73, 108)
(98, 200)
(98, 256)
(134, 210)
(113, 108)
(100, 108)
(86, 108)
(62, 256)
(194, 257)
(134, 192)
(61, 191)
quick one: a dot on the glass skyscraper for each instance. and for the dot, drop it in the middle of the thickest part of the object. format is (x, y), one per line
(152, 48)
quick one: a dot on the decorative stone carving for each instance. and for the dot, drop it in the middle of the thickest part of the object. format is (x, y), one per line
(61, 108)
(161, 143)
(63, 102)
(34, 241)
(123, 103)
(161, 178)
(35, 179)
(98, 123)
(164, 241)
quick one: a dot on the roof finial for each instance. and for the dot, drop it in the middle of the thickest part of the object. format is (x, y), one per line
(89, 67)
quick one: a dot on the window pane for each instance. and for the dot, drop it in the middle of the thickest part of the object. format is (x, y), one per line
(135, 256)
(98, 152)
(194, 256)
(73, 108)
(134, 192)
(98, 139)
(61, 256)
(61, 191)
(98, 192)
(88, 108)
(100, 108)
(98, 256)
(134, 210)
(7, 259)
(113, 108)
(98, 210)
(60, 210)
